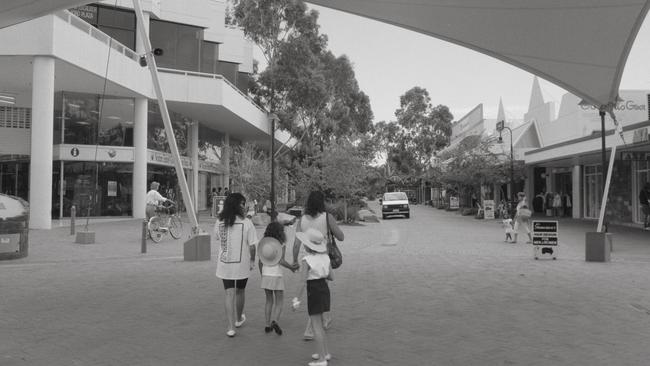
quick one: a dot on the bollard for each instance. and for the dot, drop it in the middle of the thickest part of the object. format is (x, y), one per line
(73, 214)
(143, 245)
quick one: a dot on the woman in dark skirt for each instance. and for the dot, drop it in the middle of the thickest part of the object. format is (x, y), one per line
(316, 270)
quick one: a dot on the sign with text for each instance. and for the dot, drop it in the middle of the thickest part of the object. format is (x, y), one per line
(488, 209)
(635, 155)
(453, 203)
(545, 233)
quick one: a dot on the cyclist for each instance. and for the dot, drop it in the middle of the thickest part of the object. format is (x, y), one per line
(153, 199)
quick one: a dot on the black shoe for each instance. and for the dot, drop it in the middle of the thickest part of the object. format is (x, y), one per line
(276, 327)
(268, 329)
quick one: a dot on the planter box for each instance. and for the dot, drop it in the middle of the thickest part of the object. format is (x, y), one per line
(598, 247)
(85, 237)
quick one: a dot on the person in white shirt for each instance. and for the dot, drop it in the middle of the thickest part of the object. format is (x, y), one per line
(153, 199)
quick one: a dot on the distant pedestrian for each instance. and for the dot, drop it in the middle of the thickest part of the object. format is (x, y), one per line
(237, 238)
(226, 191)
(271, 251)
(315, 217)
(522, 217)
(644, 202)
(316, 269)
(213, 204)
(557, 205)
(508, 228)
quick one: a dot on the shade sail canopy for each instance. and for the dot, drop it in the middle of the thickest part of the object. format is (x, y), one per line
(17, 11)
(580, 45)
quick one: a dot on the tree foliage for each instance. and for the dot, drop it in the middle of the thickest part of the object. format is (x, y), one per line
(419, 131)
(250, 171)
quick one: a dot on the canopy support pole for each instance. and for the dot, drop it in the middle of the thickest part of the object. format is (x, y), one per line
(606, 178)
(171, 139)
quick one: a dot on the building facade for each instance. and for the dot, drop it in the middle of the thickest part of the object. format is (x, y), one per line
(81, 126)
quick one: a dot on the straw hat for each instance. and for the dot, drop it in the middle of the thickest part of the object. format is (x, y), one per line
(313, 239)
(270, 251)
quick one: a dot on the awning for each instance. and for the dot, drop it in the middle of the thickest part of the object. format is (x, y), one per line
(580, 45)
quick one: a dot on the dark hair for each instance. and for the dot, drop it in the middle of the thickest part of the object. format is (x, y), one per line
(232, 207)
(276, 230)
(315, 203)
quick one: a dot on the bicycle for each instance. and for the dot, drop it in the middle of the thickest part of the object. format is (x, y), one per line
(166, 220)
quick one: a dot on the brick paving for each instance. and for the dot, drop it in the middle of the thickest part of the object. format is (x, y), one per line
(437, 289)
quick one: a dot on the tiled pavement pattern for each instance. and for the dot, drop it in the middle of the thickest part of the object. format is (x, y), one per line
(437, 289)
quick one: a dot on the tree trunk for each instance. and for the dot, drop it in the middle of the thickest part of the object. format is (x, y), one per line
(345, 210)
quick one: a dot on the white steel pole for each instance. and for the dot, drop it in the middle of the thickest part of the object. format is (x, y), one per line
(603, 203)
(151, 62)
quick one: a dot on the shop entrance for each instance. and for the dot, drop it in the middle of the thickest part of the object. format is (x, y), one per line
(14, 176)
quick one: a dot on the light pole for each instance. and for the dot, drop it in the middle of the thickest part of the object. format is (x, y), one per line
(500, 127)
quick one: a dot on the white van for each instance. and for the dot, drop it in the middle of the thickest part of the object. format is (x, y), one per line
(395, 203)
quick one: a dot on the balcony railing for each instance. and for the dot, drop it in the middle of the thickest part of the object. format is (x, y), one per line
(212, 76)
(82, 25)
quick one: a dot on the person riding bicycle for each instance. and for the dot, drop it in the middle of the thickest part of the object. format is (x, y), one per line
(153, 199)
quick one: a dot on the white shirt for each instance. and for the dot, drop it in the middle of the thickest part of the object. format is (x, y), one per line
(153, 197)
(272, 271)
(319, 266)
(233, 260)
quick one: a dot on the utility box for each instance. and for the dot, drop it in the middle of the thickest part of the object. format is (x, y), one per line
(14, 227)
(598, 247)
(197, 248)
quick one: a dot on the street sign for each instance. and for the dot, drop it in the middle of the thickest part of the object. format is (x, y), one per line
(488, 209)
(545, 239)
(500, 125)
(453, 203)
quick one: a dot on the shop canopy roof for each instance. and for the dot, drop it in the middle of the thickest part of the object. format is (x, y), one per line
(580, 45)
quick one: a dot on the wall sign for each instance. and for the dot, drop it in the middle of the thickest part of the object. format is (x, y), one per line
(86, 12)
(74, 152)
(635, 155)
(488, 209)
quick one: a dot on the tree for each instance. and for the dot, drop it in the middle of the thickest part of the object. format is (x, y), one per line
(420, 131)
(250, 171)
(343, 172)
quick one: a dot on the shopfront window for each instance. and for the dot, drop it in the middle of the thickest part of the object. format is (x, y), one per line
(89, 119)
(180, 43)
(593, 190)
(642, 177)
(156, 135)
(94, 188)
(14, 175)
(211, 144)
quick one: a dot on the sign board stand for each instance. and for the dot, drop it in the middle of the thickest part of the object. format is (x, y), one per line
(545, 239)
(488, 209)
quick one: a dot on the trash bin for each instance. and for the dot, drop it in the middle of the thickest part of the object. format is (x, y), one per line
(14, 227)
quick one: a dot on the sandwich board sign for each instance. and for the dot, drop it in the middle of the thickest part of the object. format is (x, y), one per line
(454, 204)
(545, 239)
(488, 209)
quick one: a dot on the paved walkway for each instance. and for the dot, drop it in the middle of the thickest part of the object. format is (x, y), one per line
(437, 289)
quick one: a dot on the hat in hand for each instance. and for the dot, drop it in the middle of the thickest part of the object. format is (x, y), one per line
(270, 251)
(313, 239)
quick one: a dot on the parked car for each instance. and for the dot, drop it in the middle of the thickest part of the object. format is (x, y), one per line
(395, 203)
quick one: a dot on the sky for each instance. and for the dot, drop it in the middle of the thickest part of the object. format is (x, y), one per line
(389, 60)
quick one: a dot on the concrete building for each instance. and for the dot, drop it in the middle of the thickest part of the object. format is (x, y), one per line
(79, 121)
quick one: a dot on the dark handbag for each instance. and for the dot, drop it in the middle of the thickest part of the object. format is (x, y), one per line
(333, 251)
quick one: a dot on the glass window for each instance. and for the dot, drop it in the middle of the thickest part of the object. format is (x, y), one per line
(82, 124)
(125, 37)
(97, 189)
(242, 82)
(229, 70)
(209, 57)
(210, 144)
(156, 135)
(180, 44)
(58, 118)
(116, 18)
(593, 190)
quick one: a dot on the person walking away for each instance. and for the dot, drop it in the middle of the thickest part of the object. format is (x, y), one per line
(316, 269)
(315, 217)
(271, 250)
(644, 201)
(153, 199)
(522, 216)
(567, 205)
(236, 238)
(557, 205)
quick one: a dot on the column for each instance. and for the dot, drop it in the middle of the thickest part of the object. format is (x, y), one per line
(225, 161)
(42, 143)
(140, 157)
(576, 191)
(140, 142)
(194, 156)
